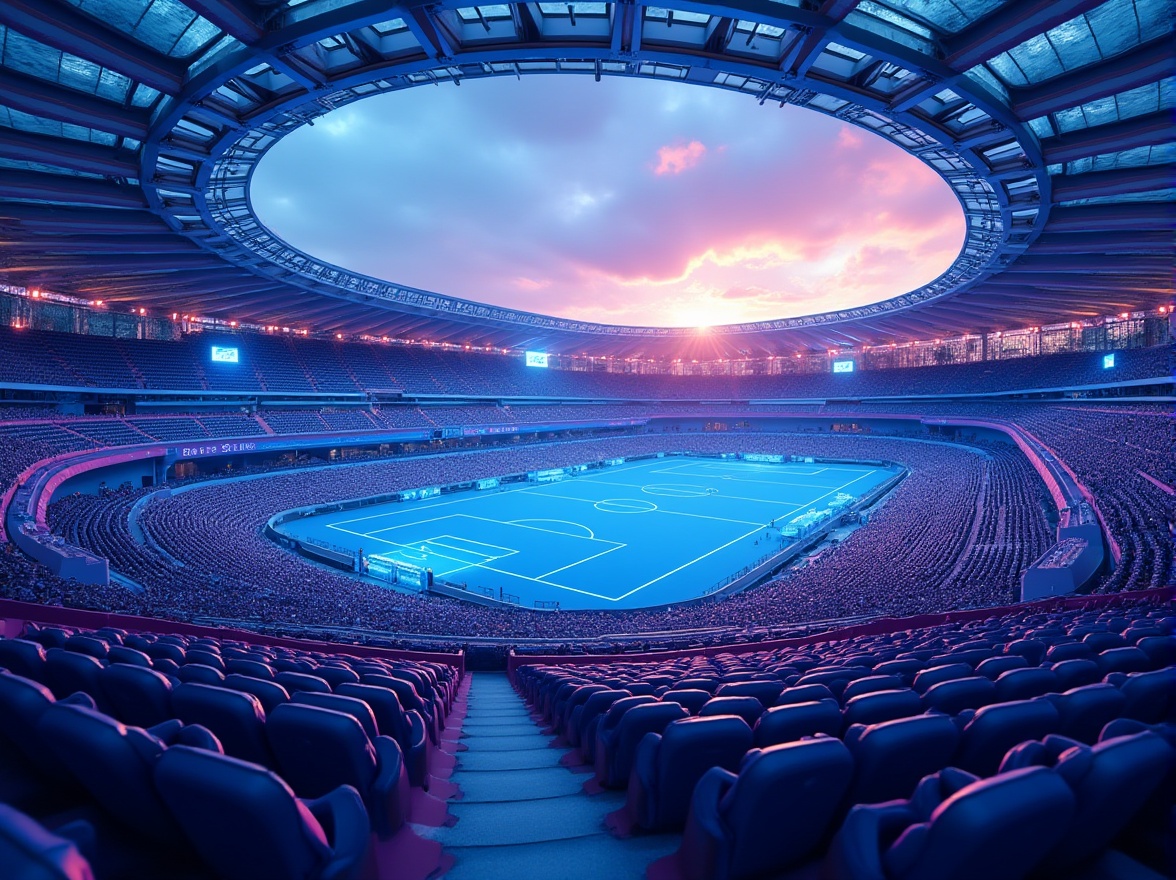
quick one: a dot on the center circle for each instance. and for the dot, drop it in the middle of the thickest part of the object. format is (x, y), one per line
(625, 505)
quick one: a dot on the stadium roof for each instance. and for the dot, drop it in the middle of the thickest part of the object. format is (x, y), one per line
(129, 130)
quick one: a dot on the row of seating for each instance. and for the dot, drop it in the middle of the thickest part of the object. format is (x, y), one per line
(1054, 806)
(158, 754)
(884, 712)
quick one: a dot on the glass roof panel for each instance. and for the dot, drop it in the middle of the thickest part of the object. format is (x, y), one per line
(1157, 195)
(163, 25)
(10, 118)
(885, 13)
(1108, 30)
(949, 16)
(19, 53)
(578, 8)
(1150, 98)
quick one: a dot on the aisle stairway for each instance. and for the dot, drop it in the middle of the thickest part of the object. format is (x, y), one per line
(521, 813)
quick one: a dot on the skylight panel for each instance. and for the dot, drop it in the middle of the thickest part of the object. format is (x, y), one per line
(949, 16)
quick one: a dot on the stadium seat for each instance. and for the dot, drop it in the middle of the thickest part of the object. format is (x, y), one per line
(1084, 711)
(955, 695)
(871, 684)
(804, 694)
(268, 692)
(200, 674)
(1075, 673)
(892, 756)
(956, 826)
(933, 675)
(773, 815)
(1111, 782)
(66, 673)
(668, 765)
(136, 695)
(584, 718)
(22, 657)
(1022, 684)
(236, 719)
(28, 851)
(301, 681)
(251, 668)
(692, 700)
(994, 729)
(747, 708)
(765, 691)
(320, 749)
(993, 667)
(782, 724)
(1151, 696)
(872, 708)
(246, 823)
(616, 746)
(407, 728)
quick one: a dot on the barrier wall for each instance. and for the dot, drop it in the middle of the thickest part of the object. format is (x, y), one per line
(879, 626)
(16, 614)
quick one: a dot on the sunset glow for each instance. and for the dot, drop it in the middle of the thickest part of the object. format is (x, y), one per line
(624, 201)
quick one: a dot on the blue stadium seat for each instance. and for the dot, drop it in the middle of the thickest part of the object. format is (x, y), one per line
(236, 719)
(994, 729)
(22, 657)
(880, 706)
(1022, 684)
(586, 717)
(954, 695)
(668, 766)
(1084, 711)
(319, 749)
(782, 724)
(28, 851)
(246, 823)
(773, 815)
(136, 695)
(1111, 782)
(268, 692)
(407, 728)
(66, 673)
(806, 693)
(690, 699)
(891, 757)
(617, 746)
(956, 826)
(747, 708)
(766, 691)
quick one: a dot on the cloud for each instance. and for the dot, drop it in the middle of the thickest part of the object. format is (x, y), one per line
(679, 157)
(474, 193)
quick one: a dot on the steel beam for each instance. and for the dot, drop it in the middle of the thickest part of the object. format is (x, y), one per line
(1140, 131)
(1097, 218)
(67, 153)
(69, 190)
(1151, 62)
(61, 26)
(33, 219)
(50, 101)
(1121, 181)
(240, 18)
(1009, 26)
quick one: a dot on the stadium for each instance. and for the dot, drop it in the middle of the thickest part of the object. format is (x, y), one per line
(724, 441)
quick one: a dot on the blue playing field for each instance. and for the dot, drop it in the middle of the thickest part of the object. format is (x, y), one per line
(638, 534)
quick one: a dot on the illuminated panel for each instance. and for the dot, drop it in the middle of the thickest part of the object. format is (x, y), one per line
(223, 355)
(1108, 361)
(842, 366)
(536, 359)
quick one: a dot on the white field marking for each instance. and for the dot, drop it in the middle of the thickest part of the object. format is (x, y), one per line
(722, 495)
(690, 563)
(519, 523)
(547, 574)
(566, 522)
(675, 490)
(414, 546)
(479, 543)
(740, 522)
(624, 505)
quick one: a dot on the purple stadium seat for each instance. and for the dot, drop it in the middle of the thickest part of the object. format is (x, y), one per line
(782, 724)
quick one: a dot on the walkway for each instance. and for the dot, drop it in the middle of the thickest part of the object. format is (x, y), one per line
(520, 813)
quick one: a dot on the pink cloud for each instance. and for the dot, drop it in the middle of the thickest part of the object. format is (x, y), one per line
(679, 157)
(848, 138)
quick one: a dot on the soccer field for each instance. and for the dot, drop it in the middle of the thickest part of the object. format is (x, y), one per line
(642, 533)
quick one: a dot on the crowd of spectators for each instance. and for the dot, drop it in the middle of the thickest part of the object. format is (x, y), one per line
(957, 533)
(286, 364)
(916, 555)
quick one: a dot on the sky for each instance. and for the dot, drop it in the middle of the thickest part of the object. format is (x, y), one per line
(623, 201)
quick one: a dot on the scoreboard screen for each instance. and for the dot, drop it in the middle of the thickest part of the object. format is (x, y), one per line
(536, 358)
(842, 366)
(223, 355)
